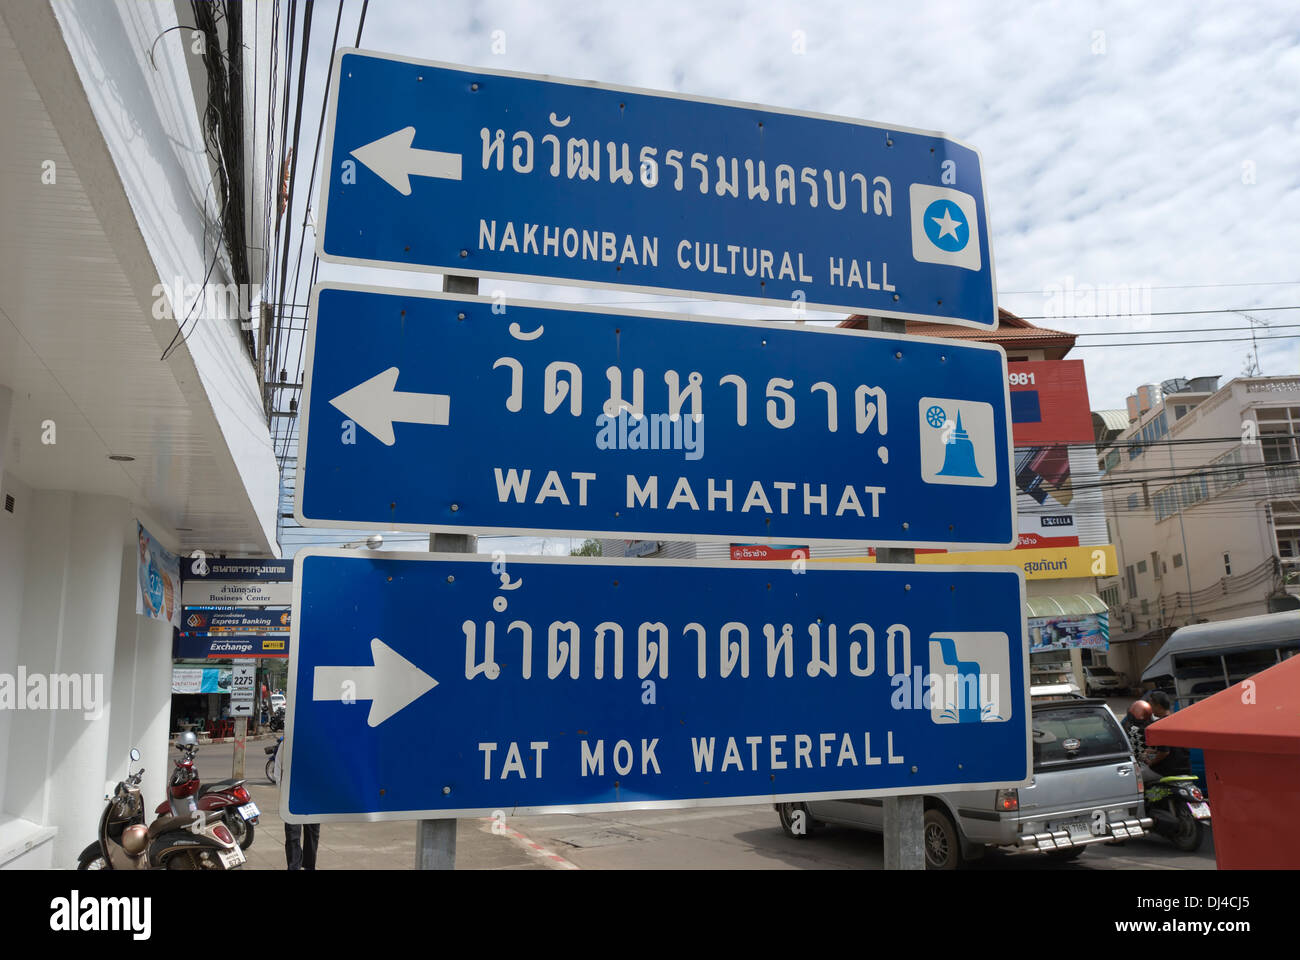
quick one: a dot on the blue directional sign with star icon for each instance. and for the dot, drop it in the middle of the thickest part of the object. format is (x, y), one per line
(485, 173)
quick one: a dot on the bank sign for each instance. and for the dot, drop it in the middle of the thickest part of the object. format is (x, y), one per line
(495, 174)
(440, 412)
(444, 685)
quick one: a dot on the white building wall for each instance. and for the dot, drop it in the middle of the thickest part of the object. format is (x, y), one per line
(1232, 520)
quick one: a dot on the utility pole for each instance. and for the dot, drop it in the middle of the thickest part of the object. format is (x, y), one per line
(435, 840)
(1187, 558)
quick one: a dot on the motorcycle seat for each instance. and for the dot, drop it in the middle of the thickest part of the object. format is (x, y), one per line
(168, 823)
(218, 786)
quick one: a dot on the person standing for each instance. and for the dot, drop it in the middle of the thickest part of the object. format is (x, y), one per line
(301, 840)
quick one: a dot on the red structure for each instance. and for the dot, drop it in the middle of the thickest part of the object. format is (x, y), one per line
(1251, 737)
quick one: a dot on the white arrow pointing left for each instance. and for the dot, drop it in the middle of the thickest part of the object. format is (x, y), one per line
(395, 161)
(377, 404)
(391, 684)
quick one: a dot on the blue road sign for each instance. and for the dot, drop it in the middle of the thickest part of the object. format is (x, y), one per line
(443, 685)
(438, 412)
(495, 174)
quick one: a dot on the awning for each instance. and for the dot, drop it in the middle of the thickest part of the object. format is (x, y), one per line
(1113, 419)
(1066, 605)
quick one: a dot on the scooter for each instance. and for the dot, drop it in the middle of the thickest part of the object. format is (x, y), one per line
(1178, 807)
(270, 759)
(174, 842)
(228, 800)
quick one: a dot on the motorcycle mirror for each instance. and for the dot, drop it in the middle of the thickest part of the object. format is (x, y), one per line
(135, 755)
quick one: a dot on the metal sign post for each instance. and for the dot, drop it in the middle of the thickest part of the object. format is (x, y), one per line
(435, 840)
(904, 835)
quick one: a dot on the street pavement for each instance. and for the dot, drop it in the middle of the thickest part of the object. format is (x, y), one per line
(717, 838)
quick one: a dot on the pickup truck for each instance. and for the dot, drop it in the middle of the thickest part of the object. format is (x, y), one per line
(1085, 789)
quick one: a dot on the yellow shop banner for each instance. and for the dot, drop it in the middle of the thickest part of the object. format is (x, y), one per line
(1043, 563)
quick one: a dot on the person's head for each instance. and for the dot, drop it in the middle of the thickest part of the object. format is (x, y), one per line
(1141, 710)
(1160, 705)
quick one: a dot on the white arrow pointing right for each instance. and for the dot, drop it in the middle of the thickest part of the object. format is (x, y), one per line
(391, 684)
(395, 161)
(377, 404)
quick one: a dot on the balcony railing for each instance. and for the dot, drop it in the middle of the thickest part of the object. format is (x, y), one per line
(1283, 481)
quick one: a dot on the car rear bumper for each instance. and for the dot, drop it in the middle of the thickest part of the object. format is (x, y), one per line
(1060, 839)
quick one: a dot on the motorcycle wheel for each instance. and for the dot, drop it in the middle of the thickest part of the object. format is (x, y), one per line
(270, 770)
(95, 862)
(240, 829)
(183, 861)
(1187, 834)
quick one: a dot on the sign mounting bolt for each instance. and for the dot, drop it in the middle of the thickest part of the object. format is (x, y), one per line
(447, 790)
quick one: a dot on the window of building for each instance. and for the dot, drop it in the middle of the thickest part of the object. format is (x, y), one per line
(1142, 566)
(1155, 564)
(1132, 501)
(1144, 606)
(1130, 581)
(1278, 427)
(1165, 503)
(1227, 565)
(1180, 411)
(1178, 560)
(1111, 597)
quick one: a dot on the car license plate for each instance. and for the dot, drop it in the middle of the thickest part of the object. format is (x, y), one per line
(1079, 830)
(231, 858)
(249, 810)
(1201, 811)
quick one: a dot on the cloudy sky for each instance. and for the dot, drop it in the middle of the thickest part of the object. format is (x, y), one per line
(1148, 152)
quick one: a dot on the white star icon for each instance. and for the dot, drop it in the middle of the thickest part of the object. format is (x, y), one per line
(947, 225)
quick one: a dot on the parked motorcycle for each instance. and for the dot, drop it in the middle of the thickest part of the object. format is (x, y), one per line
(270, 759)
(190, 841)
(1178, 807)
(228, 800)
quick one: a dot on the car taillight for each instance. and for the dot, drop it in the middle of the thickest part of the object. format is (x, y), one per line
(1007, 800)
(1142, 787)
(241, 795)
(222, 834)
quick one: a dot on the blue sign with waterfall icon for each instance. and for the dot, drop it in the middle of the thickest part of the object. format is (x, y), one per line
(438, 412)
(453, 685)
(464, 170)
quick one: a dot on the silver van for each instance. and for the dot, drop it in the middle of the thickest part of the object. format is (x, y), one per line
(1085, 789)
